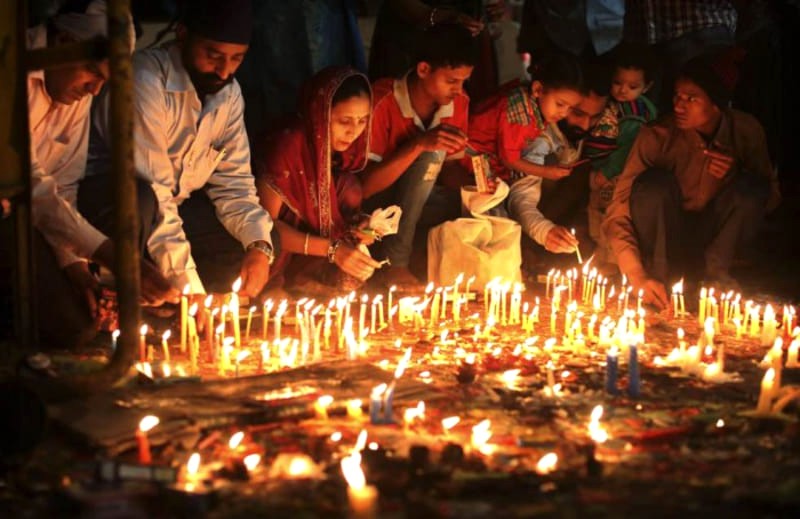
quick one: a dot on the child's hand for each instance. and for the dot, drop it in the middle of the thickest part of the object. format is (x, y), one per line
(560, 240)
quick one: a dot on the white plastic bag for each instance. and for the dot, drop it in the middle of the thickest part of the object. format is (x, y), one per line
(481, 245)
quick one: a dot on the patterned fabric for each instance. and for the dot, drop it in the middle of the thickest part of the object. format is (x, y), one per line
(608, 137)
(521, 109)
(655, 21)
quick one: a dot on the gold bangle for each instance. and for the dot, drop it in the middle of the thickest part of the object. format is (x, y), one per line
(305, 246)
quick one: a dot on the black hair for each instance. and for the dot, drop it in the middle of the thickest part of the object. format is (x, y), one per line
(638, 57)
(446, 45)
(597, 78)
(558, 71)
(74, 6)
(354, 86)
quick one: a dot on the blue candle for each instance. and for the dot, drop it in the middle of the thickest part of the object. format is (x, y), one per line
(376, 403)
(387, 404)
(633, 373)
(612, 366)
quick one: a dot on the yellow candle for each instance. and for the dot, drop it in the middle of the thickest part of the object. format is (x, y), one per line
(142, 343)
(764, 405)
(354, 411)
(164, 345)
(233, 307)
(701, 313)
(184, 316)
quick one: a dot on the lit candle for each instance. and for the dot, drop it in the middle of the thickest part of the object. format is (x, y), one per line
(145, 425)
(243, 354)
(114, 339)
(354, 411)
(701, 313)
(676, 289)
(192, 340)
(577, 250)
(434, 318)
(265, 311)
(633, 372)
(376, 403)
(164, 345)
(363, 498)
(233, 307)
(362, 315)
(278, 318)
(249, 323)
(321, 406)
(184, 316)
(467, 292)
(264, 359)
(764, 405)
(373, 317)
(612, 367)
(143, 343)
(770, 328)
(392, 289)
(457, 282)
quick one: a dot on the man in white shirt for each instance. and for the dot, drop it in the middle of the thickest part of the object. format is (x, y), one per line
(191, 144)
(68, 236)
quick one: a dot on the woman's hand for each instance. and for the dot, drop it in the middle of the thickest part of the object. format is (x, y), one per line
(354, 262)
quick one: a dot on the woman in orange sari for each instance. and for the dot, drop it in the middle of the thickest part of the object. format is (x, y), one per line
(305, 176)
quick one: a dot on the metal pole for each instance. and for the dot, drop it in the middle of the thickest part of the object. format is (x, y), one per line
(125, 208)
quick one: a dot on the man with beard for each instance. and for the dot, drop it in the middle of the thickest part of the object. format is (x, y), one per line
(191, 143)
(563, 198)
(562, 144)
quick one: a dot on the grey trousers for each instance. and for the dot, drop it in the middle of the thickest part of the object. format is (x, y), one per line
(63, 318)
(669, 237)
(410, 192)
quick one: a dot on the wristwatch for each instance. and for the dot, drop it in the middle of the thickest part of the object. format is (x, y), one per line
(264, 247)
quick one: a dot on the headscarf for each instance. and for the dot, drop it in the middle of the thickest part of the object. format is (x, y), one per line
(297, 162)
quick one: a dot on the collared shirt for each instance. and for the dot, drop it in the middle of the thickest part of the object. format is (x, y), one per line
(504, 125)
(183, 145)
(655, 21)
(59, 136)
(394, 120)
(664, 146)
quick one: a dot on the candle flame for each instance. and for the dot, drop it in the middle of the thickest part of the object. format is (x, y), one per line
(325, 400)
(193, 465)
(596, 431)
(148, 422)
(353, 474)
(378, 391)
(209, 299)
(237, 285)
(115, 334)
(251, 461)
(243, 354)
(236, 439)
(193, 309)
(300, 467)
(186, 289)
(677, 288)
(361, 441)
(450, 422)
(166, 370)
(547, 463)
(143, 330)
(336, 436)
(509, 377)
(680, 334)
(769, 376)
(401, 366)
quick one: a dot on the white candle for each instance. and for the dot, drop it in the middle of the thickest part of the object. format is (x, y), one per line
(764, 405)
